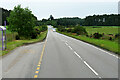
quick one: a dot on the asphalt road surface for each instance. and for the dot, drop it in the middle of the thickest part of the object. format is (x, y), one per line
(59, 56)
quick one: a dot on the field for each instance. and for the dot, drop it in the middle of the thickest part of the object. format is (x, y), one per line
(103, 29)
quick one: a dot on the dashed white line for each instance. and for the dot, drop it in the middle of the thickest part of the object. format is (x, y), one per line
(92, 46)
(84, 61)
(66, 44)
(70, 47)
(91, 68)
(78, 55)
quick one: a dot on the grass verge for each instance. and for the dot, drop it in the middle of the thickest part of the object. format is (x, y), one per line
(105, 44)
(16, 43)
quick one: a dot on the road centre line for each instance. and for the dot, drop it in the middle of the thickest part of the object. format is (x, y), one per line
(38, 66)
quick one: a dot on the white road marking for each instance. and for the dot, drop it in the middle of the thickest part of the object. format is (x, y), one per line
(83, 60)
(99, 77)
(78, 55)
(91, 68)
(66, 44)
(70, 47)
(101, 50)
(91, 46)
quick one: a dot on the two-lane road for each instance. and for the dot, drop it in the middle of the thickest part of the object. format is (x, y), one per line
(60, 57)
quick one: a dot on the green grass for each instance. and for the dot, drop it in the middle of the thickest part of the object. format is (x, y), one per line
(106, 44)
(16, 43)
(103, 29)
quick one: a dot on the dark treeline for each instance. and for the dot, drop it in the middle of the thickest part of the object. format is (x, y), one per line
(95, 20)
(103, 20)
(62, 21)
(5, 14)
(70, 21)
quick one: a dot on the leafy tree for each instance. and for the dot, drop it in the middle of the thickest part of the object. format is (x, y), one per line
(21, 20)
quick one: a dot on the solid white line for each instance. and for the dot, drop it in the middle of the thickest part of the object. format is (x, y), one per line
(103, 51)
(70, 47)
(91, 68)
(78, 55)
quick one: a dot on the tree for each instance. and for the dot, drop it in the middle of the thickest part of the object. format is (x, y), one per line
(21, 20)
(51, 17)
(5, 14)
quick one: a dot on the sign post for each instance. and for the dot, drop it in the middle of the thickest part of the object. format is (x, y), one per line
(2, 41)
(2, 28)
(5, 36)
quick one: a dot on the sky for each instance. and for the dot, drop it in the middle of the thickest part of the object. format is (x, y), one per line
(64, 8)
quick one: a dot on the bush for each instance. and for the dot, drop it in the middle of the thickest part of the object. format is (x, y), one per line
(44, 28)
(69, 30)
(79, 30)
(97, 35)
(87, 35)
(37, 30)
(34, 34)
(61, 28)
(17, 37)
(117, 35)
(110, 38)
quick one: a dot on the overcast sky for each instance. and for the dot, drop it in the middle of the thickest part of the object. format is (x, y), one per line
(64, 8)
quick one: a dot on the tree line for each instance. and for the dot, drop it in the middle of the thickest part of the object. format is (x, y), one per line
(103, 20)
(95, 20)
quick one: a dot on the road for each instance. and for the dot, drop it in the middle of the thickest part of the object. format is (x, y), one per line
(59, 56)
